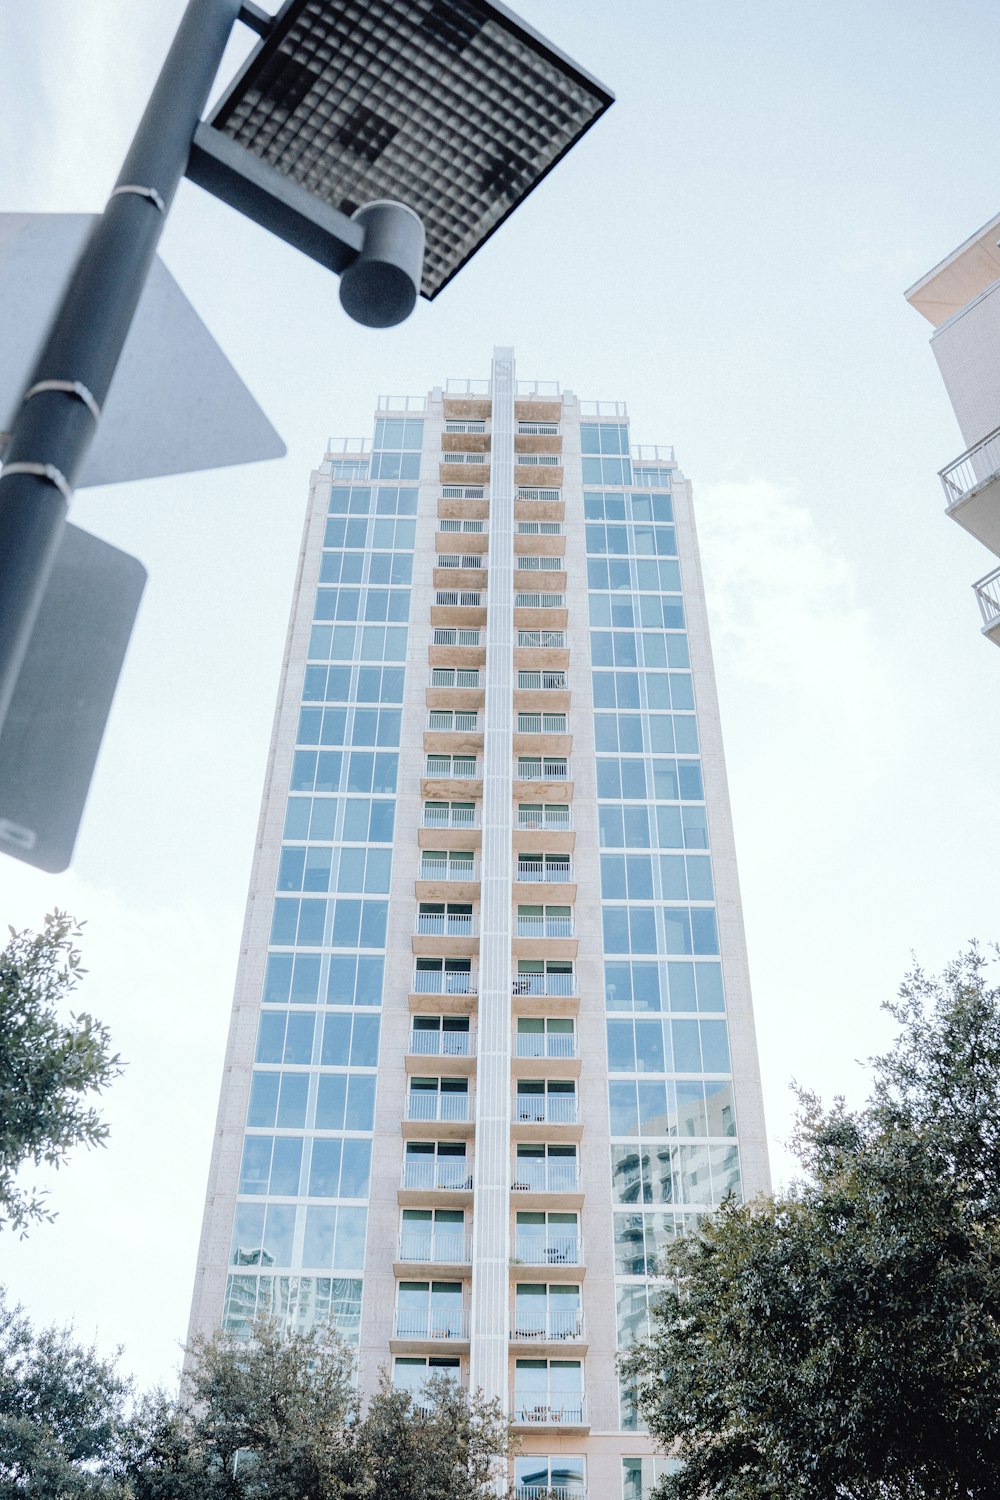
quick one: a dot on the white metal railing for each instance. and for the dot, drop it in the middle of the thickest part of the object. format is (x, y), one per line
(545, 1044)
(548, 817)
(448, 869)
(446, 924)
(539, 528)
(443, 982)
(434, 1043)
(427, 1245)
(335, 447)
(551, 1176)
(535, 494)
(542, 1109)
(463, 492)
(659, 452)
(550, 1492)
(551, 1326)
(538, 429)
(538, 601)
(436, 1173)
(532, 562)
(428, 1104)
(543, 984)
(539, 460)
(433, 1323)
(447, 457)
(455, 677)
(462, 560)
(451, 636)
(401, 403)
(464, 598)
(545, 927)
(455, 720)
(548, 1249)
(987, 592)
(542, 769)
(460, 767)
(552, 872)
(542, 681)
(452, 523)
(976, 466)
(461, 385)
(528, 723)
(450, 817)
(603, 409)
(471, 426)
(527, 1409)
(541, 638)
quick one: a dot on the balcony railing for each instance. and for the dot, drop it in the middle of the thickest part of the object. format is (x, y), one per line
(550, 1176)
(976, 466)
(463, 598)
(548, 1327)
(545, 1044)
(436, 982)
(533, 494)
(432, 1324)
(535, 601)
(448, 457)
(450, 817)
(538, 429)
(473, 425)
(545, 927)
(446, 924)
(550, 872)
(548, 1250)
(532, 562)
(543, 984)
(988, 594)
(427, 1104)
(433, 1043)
(541, 769)
(447, 1249)
(448, 869)
(461, 560)
(463, 491)
(545, 682)
(550, 1492)
(452, 523)
(536, 639)
(539, 528)
(455, 677)
(441, 1173)
(451, 636)
(571, 1412)
(546, 1109)
(460, 767)
(454, 720)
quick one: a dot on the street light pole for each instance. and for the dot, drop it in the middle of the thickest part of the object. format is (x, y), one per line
(62, 403)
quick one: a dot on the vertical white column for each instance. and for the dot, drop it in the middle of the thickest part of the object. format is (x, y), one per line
(491, 1217)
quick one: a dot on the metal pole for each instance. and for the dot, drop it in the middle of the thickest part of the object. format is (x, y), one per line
(62, 403)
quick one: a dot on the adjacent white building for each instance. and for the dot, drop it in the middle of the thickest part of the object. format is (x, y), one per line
(492, 1043)
(961, 298)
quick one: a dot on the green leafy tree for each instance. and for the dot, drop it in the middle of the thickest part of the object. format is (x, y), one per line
(843, 1340)
(62, 1407)
(49, 1066)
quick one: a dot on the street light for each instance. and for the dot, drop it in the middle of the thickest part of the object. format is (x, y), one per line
(357, 130)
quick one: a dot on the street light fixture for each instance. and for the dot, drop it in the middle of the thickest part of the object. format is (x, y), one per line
(357, 130)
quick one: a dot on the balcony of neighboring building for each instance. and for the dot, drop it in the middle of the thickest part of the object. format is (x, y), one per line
(445, 929)
(457, 647)
(447, 874)
(432, 1246)
(988, 597)
(538, 437)
(540, 408)
(467, 537)
(545, 878)
(450, 825)
(538, 503)
(547, 1319)
(457, 688)
(539, 689)
(545, 1108)
(439, 1106)
(542, 778)
(540, 539)
(458, 569)
(541, 651)
(539, 609)
(532, 569)
(544, 931)
(436, 1174)
(541, 826)
(544, 1046)
(452, 778)
(455, 731)
(464, 502)
(535, 469)
(971, 487)
(446, 1037)
(439, 1327)
(468, 407)
(467, 468)
(455, 606)
(545, 1175)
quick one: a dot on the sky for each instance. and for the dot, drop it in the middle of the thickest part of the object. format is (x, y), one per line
(727, 251)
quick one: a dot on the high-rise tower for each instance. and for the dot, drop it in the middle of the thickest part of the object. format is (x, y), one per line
(492, 1042)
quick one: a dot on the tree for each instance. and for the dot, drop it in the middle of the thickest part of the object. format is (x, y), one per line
(61, 1410)
(48, 1066)
(843, 1340)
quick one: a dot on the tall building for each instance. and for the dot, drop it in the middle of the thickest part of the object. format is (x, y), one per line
(492, 1043)
(961, 298)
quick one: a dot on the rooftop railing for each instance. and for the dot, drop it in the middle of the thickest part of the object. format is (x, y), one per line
(976, 466)
(988, 594)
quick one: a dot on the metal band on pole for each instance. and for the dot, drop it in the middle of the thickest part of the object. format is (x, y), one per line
(71, 388)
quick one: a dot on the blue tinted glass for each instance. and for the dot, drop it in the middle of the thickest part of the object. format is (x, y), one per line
(681, 691)
(652, 1105)
(643, 929)
(317, 1250)
(271, 1036)
(248, 1231)
(369, 989)
(373, 924)
(615, 929)
(377, 870)
(364, 1044)
(303, 770)
(330, 1099)
(609, 780)
(677, 926)
(317, 871)
(687, 1046)
(292, 1099)
(685, 734)
(613, 876)
(649, 1054)
(695, 824)
(699, 874)
(277, 977)
(715, 1046)
(640, 876)
(360, 1102)
(605, 732)
(382, 820)
(297, 818)
(633, 780)
(356, 1170)
(340, 984)
(263, 1099)
(328, 766)
(709, 986)
(624, 1115)
(346, 924)
(604, 689)
(312, 920)
(349, 1251)
(704, 931)
(681, 981)
(356, 814)
(283, 922)
(324, 1171)
(336, 1040)
(386, 768)
(351, 875)
(305, 982)
(610, 822)
(618, 986)
(673, 877)
(646, 986)
(299, 1038)
(256, 1167)
(285, 1166)
(636, 827)
(621, 1047)
(290, 869)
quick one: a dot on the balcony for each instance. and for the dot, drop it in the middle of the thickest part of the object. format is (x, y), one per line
(539, 528)
(544, 1109)
(550, 1492)
(432, 1043)
(542, 768)
(988, 594)
(972, 490)
(548, 1250)
(552, 1327)
(422, 1327)
(542, 639)
(540, 562)
(450, 817)
(546, 682)
(557, 1044)
(538, 600)
(455, 677)
(429, 1105)
(544, 927)
(446, 924)
(434, 1247)
(526, 493)
(544, 872)
(563, 1414)
(475, 560)
(462, 525)
(453, 636)
(454, 721)
(447, 869)
(543, 984)
(552, 1176)
(441, 1174)
(538, 429)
